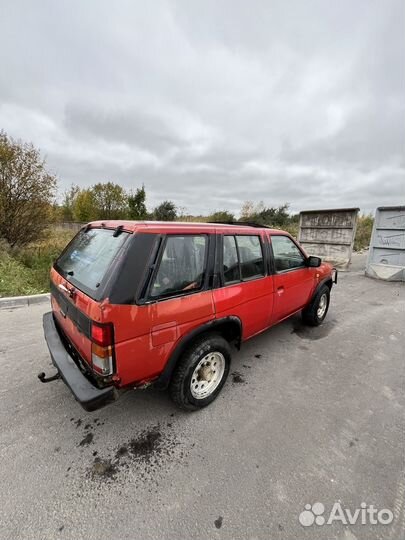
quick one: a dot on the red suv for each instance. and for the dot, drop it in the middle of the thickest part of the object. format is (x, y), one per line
(140, 303)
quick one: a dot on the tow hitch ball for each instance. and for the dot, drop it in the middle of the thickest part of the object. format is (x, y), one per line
(44, 379)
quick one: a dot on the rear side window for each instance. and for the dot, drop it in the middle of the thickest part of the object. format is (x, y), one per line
(88, 257)
(181, 268)
(231, 260)
(242, 258)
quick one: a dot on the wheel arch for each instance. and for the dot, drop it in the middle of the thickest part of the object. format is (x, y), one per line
(326, 281)
(229, 327)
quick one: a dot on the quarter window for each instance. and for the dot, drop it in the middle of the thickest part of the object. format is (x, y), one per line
(242, 258)
(181, 268)
(287, 256)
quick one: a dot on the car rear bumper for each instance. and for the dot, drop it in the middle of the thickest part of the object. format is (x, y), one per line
(87, 394)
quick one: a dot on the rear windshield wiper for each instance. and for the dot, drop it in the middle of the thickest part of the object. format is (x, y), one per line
(118, 230)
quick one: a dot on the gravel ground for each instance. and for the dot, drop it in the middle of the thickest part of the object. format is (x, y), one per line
(307, 415)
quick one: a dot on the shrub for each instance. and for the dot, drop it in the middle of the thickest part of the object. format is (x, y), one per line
(26, 192)
(363, 232)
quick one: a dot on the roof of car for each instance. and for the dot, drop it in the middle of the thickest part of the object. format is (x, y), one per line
(181, 226)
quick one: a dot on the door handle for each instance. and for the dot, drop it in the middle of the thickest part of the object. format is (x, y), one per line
(280, 290)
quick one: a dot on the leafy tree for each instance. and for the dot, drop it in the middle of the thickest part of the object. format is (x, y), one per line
(272, 216)
(276, 217)
(110, 201)
(166, 211)
(247, 211)
(363, 232)
(136, 204)
(27, 191)
(69, 198)
(221, 216)
(84, 208)
(56, 214)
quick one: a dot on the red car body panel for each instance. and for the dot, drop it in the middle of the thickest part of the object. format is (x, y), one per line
(146, 336)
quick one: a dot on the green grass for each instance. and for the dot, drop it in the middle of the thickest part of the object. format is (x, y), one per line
(26, 270)
(15, 278)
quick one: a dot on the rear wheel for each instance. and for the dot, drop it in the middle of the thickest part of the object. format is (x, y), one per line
(315, 313)
(201, 372)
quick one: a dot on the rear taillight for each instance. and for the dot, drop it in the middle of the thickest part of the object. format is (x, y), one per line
(102, 348)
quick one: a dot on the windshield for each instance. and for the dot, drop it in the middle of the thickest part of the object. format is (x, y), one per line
(88, 257)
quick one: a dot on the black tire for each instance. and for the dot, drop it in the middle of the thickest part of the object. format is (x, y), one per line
(310, 313)
(180, 385)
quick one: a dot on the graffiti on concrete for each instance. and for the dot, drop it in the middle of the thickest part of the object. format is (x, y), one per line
(329, 234)
(387, 249)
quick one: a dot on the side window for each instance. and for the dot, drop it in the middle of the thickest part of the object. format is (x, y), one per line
(181, 267)
(251, 256)
(286, 254)
(242, 258)
(230, 260)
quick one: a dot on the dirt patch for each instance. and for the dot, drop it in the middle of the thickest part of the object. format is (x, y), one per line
(237, 378)
(145, 446)
(218, 522)
(122, 451)
(147, 452)
(103, 468)
(87, 439)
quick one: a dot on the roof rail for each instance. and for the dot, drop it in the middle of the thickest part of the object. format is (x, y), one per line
(244, 223)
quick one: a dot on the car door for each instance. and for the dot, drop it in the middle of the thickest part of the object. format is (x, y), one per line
(178, 292)
(176, 300)
(294, 281)
(246, 289)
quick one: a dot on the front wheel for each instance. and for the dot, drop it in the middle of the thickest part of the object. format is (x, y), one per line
(315, 313)
(201, 373)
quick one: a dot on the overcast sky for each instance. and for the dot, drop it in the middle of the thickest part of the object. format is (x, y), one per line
(211, 103)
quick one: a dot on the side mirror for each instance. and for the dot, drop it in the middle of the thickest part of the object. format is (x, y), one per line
(314, 262)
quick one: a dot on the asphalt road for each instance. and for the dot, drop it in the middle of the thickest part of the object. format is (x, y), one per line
(308, 415)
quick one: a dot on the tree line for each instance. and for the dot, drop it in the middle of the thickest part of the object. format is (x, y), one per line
(108, 200)
(28, 200)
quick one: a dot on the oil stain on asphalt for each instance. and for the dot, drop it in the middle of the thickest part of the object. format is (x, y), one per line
(237, 378)
(312, 333)
(148, 452)
(218, 522)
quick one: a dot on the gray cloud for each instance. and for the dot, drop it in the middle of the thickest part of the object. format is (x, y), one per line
(212, 103)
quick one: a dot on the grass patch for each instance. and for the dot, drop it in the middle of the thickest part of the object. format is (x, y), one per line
(26, 270)
(15, 278)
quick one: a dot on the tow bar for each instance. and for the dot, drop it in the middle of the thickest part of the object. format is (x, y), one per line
(42, 377)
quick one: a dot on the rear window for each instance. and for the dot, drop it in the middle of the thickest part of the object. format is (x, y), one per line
(87, 258)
